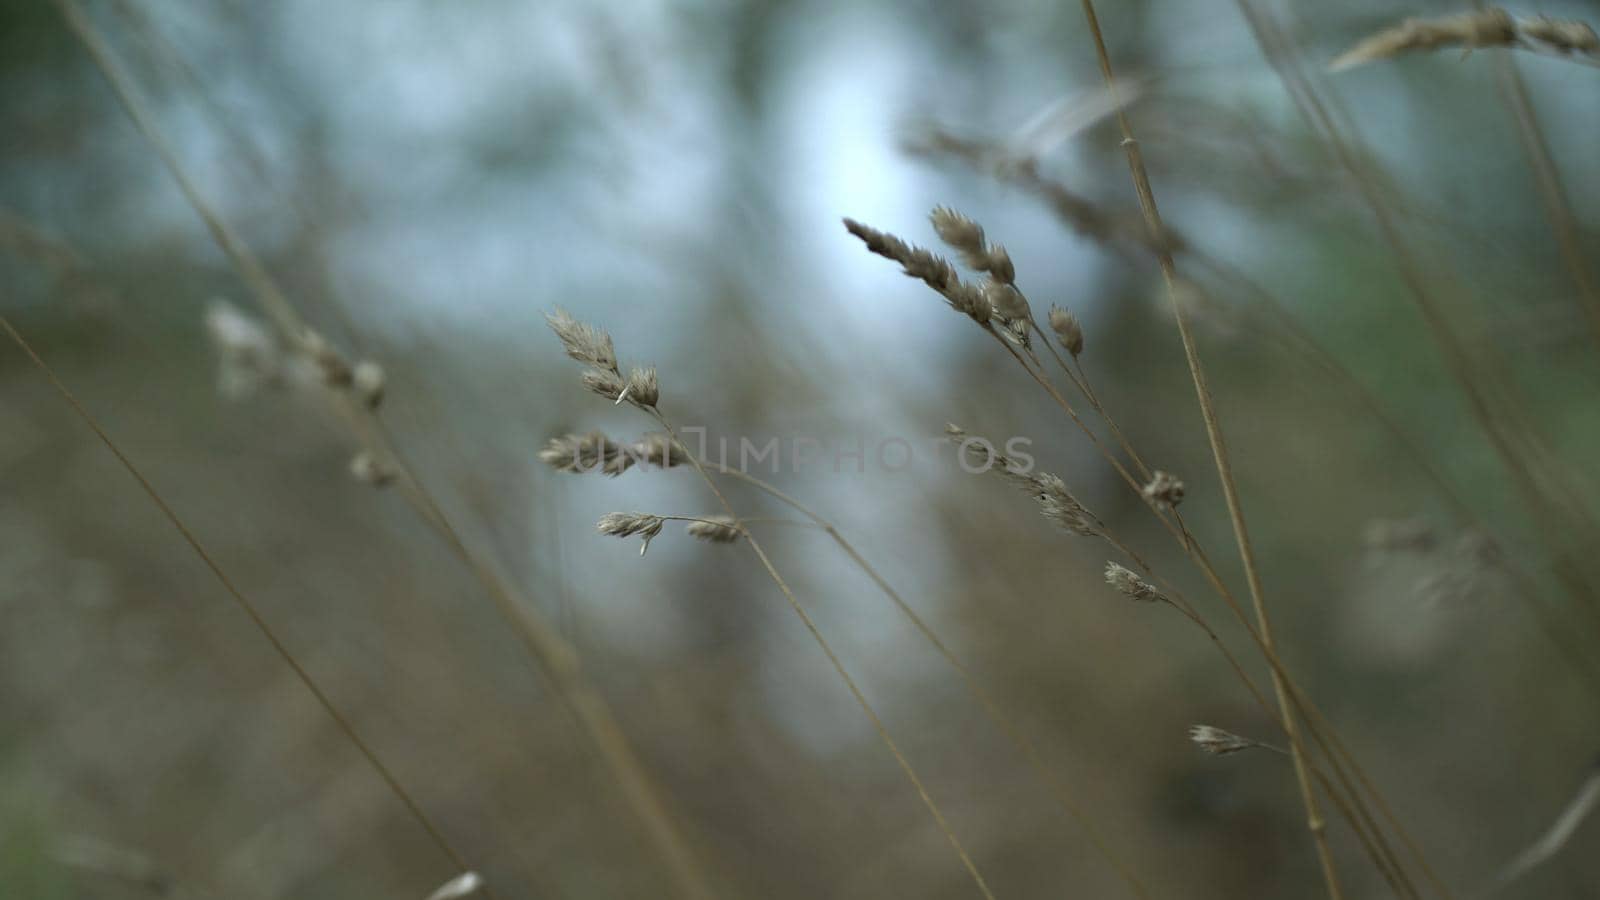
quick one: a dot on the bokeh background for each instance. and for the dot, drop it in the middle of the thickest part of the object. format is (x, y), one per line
(428, 180)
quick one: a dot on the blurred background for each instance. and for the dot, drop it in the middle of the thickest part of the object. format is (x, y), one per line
(427, 181)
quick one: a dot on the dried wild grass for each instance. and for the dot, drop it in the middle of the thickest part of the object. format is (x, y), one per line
(357, 409)
(1491, 27)
(581, 341)
(725, 528)
(254, 358)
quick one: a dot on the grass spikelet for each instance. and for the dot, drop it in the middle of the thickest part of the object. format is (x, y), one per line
(248, 356)
(1492, 27)
(367, 468)
(717, 529)
(1056, 502)
(659, 449)
(1164, 487)
(628, 524)
(584, 453)
(1132, 586)
(1219, 742)
(966, 237)
(1058, 505)
(1069, 332)
(1006, 301)
(331, 365)
(368, 381)
(930, 268)
(642, 387)
(1563, 35)
(606, 383)
(584, 342)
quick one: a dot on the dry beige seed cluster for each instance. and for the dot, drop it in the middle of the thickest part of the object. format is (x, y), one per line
(595, 452)
(1469, 31)
(1069, 333)
(1164, 488)
(592, 452)
(628, 524)
(1056, 503)
(715, 529)
(367, 468)
(930, 268)
(1132, 586)
(995, 300)
(1218, 742)
(251, 357)
(966, 237)
(592, 347)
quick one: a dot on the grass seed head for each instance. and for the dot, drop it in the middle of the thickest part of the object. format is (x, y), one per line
(1165, 488)
(330, 364)
(1218, 742)
(628, 524)
(1485, 28)
(367, 468)
(368, 382)
(605, 382)
(642, 387)
(716, 529)
(1132, 586)
(1069, 333)
(1563, 36)
(584, 342)
(583, 453)
(659, 449)
(931, 269)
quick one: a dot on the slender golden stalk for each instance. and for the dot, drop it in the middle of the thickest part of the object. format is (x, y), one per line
(1147, 202)
(1338, 757)
(556, 658)
(1274, 46)
(833, 660)
(990, 706)
(1084, 217)
(249, 608)
(1551, 190)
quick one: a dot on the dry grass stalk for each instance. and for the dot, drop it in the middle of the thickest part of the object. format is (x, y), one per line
(661, 447)
(1538, 474)
(1583, 803)
(1491, 27)
(555, 656)
(248, 607)
(1552, 190)
(1082, 215)
(1115, 233)
(1354, 808)
(810, 625)
(1141, 180)
(1218, 742)
(1056, 502)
